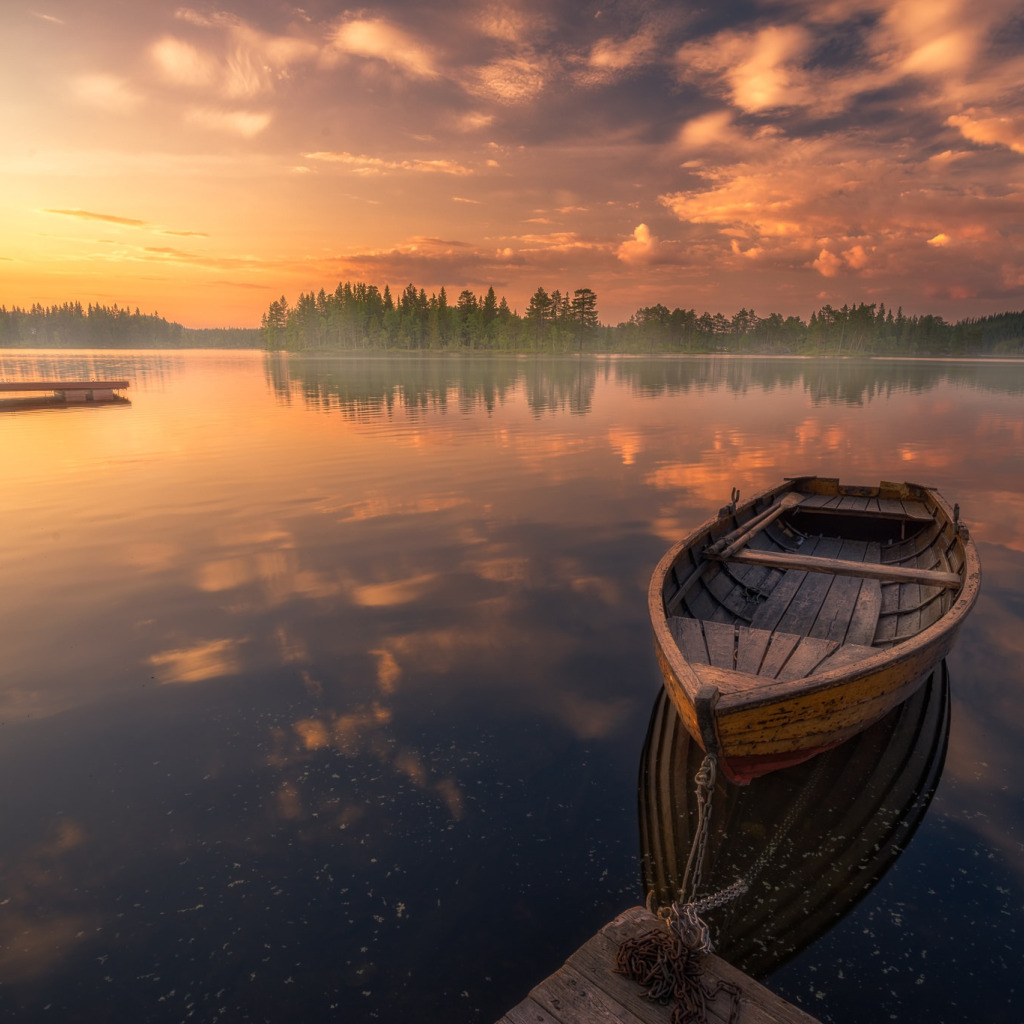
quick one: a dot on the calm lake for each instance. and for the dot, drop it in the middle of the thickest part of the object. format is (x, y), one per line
(325, 683)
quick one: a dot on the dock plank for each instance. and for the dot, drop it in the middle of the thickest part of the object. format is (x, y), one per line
(528, 1012)
(586, 989)
(62, 385)
(570, 996)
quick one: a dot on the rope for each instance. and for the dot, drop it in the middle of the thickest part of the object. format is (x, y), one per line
(671, 972)
(668, 961)
(705, 780)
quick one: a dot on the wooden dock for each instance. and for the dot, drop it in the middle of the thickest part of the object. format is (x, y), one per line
(69, 390)
(586, 990)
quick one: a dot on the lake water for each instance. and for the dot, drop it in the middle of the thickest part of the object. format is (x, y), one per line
(324, 684)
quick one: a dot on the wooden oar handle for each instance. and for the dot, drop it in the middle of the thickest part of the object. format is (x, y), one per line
(733, 541)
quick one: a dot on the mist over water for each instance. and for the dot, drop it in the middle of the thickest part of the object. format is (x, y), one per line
(324, 683)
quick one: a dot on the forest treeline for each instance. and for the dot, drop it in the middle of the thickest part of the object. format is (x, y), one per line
(362, 317)
(73, 325)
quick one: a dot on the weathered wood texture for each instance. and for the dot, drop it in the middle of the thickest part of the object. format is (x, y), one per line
(841, 567)
(907, 508)
(586, 990)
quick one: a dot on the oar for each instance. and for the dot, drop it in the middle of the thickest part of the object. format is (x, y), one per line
(751, 522)
(732, 542)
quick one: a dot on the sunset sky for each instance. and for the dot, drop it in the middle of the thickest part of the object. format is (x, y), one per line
(199, 161)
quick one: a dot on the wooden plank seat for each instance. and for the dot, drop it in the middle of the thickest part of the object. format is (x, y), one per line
(767, 653)
(842, 567)
(884, 508)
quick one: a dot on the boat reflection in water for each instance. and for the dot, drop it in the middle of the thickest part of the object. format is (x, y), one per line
(811, 840)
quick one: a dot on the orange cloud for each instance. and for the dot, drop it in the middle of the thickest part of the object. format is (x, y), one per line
(363, 164)
(770, 68)
(757, 201)
(109, 218)
(246, 123)
(990, 130)
(707, 130)
(377, 39)
(759, 70)
(856, 257)
(557, 241)
(182, 63)
(828, 264)
(621, 55)
(510, 80)
(507, 23)
(640, 248)
(936, 36)
(239, 61)
(611, 58)
(107, 92)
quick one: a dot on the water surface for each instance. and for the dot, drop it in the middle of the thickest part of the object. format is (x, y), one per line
(324, 683)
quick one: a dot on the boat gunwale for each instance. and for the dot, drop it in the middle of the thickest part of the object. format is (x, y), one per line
(761, 692)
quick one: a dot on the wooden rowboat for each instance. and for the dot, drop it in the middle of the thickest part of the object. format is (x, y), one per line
(792, 621)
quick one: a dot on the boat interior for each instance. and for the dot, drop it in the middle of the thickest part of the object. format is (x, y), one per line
(810, 582)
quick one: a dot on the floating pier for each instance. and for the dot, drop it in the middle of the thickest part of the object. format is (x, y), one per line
(69, 390)
(586, 990)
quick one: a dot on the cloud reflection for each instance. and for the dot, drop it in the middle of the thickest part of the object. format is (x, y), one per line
(356, 735)
(400, 591)
(210, 659)
(988, 720)
(35, 939)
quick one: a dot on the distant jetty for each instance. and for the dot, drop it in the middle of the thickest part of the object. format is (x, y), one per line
(69, 390)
